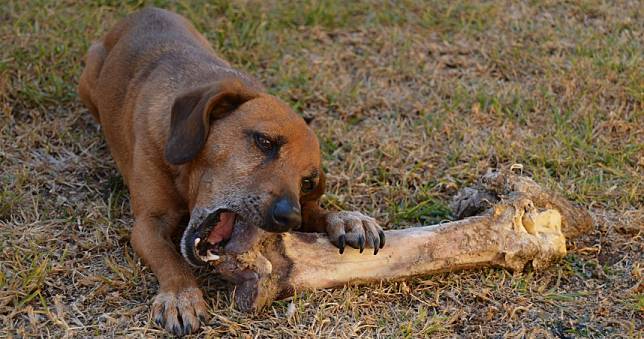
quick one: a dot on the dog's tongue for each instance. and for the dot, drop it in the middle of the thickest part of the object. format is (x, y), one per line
(223, 229)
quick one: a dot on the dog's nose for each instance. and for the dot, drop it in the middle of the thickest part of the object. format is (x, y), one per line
(286, 215)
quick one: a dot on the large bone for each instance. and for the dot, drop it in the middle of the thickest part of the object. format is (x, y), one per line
(513, 232)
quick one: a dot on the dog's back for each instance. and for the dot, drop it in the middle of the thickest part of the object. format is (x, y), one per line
(136, 47)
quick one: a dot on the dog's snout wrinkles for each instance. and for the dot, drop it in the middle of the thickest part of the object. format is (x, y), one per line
(286, 215)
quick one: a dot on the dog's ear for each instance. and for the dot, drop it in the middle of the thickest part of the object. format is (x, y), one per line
(192, 112)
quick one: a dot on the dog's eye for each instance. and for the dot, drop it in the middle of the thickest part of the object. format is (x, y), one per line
(264, 144)
(307, 185)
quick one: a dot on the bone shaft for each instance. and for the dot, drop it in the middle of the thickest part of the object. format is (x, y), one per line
(474, 242)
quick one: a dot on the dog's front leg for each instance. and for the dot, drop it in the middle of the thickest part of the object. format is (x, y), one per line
(158, 213)
(179, 306)
(343, 228)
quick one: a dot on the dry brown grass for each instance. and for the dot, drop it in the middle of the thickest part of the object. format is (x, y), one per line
(412, 100)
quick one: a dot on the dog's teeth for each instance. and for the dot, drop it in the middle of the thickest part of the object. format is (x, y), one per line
(211, 256)
(197, 241)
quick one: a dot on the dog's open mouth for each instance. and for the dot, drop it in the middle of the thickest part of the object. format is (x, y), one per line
(210, 237)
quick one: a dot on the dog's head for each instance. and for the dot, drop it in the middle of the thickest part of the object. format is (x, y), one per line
(246, 158)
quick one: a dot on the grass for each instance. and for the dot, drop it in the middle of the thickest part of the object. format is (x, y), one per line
(412, 100)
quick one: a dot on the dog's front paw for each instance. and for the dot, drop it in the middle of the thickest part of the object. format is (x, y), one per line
(354, 229)
(181, 312)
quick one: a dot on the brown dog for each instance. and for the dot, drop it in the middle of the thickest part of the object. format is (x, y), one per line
(202, 144)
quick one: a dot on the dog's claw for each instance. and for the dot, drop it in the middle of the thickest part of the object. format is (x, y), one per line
(361, 242)
(176, 330)
(159, 319)
(381, 235)
(187, 328)
(376, 243)
(341, 243)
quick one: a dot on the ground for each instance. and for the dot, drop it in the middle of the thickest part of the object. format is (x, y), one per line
(412, 100)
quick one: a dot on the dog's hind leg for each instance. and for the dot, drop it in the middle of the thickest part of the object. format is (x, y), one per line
(93, 64)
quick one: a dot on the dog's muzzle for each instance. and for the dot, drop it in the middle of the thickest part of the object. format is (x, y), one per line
(203, 240)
